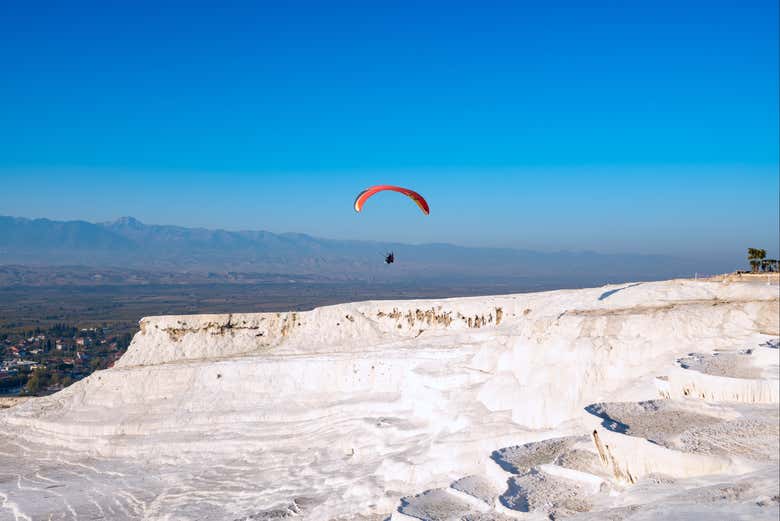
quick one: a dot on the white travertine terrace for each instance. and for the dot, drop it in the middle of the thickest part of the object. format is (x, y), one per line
(339, 412)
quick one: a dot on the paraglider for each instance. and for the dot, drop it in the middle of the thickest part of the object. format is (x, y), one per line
(419, 200)
(411, 194)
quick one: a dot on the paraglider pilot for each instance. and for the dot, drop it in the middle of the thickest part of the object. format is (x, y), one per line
(414, 196)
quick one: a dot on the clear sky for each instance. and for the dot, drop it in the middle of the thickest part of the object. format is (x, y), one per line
(618, 126)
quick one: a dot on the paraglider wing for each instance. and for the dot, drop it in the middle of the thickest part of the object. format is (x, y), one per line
(414, 196)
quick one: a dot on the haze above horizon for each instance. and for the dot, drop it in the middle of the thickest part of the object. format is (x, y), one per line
(650, 129)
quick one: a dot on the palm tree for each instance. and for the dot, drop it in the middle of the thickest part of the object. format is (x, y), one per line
(755, 256)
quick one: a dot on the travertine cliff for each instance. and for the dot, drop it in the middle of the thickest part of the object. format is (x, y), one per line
(342, 410)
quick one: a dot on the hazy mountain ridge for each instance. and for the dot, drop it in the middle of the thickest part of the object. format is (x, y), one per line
(128, 243)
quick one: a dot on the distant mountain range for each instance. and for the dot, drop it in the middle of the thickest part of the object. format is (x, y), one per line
(128, 243)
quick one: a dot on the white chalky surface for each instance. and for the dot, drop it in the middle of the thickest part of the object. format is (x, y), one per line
(340, 412)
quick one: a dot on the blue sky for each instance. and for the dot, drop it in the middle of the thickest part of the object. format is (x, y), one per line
(620, 126)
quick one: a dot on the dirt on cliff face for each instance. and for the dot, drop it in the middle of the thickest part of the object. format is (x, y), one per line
(6, 402)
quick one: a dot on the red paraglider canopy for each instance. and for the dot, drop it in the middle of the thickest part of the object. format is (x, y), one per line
(414, 196)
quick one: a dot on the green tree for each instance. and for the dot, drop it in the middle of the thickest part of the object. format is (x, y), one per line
(755, 256)
(36, 382)
(123, 342)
